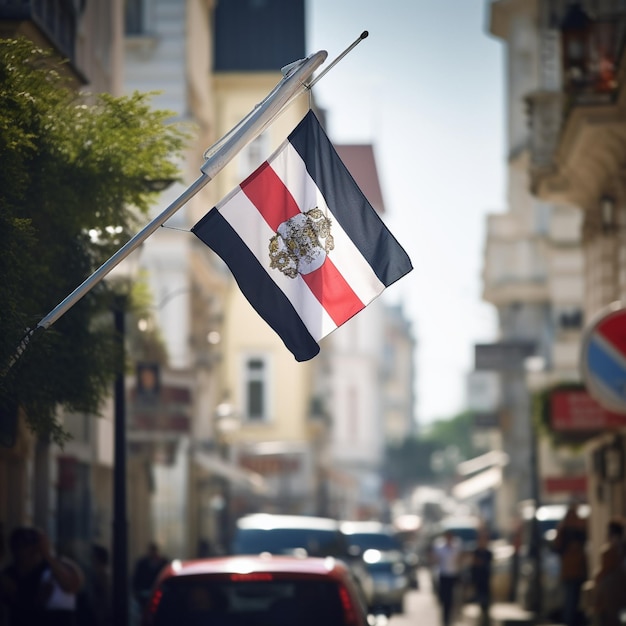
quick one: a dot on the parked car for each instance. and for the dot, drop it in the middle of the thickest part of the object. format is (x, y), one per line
(299, 535)
(391, 583)
(547, 518)
(255, 591)
(372, 535)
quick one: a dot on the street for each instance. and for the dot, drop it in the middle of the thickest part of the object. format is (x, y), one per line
(421, 607)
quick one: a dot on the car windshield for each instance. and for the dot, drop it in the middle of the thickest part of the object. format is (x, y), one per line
(466, 535)
(257, 600)
(374, 541)
(316, 542)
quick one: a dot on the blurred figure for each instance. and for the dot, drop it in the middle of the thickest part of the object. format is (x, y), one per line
(95, 602)
(482, 558)
(570, 543)
(610, 580)
(146, 571)
(446, 557)
(101, 586)
(516, 542)
(38, 587)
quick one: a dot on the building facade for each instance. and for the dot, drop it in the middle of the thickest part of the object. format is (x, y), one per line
(577, 148)
(533, 276)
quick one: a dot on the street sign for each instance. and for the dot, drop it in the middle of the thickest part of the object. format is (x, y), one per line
(507, 356)
(603, 358)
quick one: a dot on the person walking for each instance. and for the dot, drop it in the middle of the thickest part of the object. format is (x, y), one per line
(610, 579)
(570, 543)
(482, 558)
(446, 556)
(145, 573)
(38, 587)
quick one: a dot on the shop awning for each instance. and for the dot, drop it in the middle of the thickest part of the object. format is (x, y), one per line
(233, 473)
(488, 479)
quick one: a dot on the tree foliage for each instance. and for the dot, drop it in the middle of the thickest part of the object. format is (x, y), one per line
(410, 462)
(74, 185)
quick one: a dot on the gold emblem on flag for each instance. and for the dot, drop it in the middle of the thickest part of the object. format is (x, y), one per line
(301, 244)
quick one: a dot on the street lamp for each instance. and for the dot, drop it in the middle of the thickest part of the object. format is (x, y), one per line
(120, 519)
(123, 276)
(535, 367)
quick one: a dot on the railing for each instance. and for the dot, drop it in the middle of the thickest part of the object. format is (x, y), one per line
(56, 19)
(545, 117)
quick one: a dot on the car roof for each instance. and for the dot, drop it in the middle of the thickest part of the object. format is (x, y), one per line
(269, 521)
(369, 526)
(460, 522)
(270, 564)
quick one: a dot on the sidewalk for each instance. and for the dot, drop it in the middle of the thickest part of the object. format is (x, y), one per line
(501, 613)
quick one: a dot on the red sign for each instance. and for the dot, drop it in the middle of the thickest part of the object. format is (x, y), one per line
(574, 410)
(565, 484)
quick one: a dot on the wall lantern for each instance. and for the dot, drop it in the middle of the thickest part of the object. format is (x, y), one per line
(607, 213)
(613, 460)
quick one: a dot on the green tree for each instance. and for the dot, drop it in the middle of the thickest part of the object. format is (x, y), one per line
(409, 462)
(74, 187)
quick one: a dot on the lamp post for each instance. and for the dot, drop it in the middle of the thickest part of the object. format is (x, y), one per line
(120, 520)
(122, 276)
(535, 367)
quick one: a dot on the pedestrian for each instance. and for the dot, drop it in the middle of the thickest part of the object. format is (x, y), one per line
(516, 543)
(480, 569)
(38, 587)
(100, 587)
(610, 579)
(145, 574)
(446, 557)
(570, 543)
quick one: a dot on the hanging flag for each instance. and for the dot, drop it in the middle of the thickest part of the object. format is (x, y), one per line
(305, 246)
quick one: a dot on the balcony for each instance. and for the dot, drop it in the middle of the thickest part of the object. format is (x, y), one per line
(578, 138)
(46, 22)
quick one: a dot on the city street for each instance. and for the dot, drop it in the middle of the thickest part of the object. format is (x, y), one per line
(421, 607)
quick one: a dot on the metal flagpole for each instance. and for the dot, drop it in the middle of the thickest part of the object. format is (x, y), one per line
(294, 79)
(217, 157)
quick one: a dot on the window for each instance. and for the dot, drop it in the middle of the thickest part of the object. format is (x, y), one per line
(138, 17)
(134, 17)
(256, 387)
(571, 319)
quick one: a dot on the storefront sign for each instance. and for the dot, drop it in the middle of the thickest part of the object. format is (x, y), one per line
(565, 484)
(574, 410)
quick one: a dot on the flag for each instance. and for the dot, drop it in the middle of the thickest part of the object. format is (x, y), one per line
(305, 246)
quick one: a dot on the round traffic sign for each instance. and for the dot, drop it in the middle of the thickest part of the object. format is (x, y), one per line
(603, 358)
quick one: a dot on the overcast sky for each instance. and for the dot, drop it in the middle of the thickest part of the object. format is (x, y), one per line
(426, 89)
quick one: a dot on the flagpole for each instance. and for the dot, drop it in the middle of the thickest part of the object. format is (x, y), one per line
(294, 79)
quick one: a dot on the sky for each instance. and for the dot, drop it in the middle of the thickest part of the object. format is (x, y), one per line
(426, 89)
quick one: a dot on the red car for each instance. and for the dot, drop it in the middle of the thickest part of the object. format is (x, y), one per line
(256, 591)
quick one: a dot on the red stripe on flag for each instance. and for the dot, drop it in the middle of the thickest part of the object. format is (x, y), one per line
(270, 196)
(333, 292)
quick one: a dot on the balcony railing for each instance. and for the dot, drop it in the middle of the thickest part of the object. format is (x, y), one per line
(545, 116)
(55, 19)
